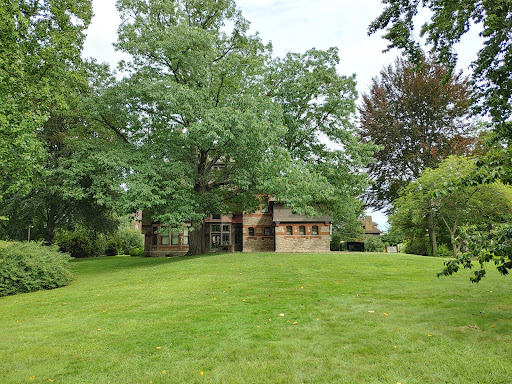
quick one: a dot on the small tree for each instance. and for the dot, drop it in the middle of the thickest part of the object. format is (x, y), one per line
(481, 204)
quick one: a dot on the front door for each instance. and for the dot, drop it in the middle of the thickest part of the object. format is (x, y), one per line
(238, 233)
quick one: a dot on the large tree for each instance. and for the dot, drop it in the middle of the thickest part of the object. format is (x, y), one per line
(480, 205)
(449, 20)
(418, 117)
(492, 68)
(201, 121)
(40, 43)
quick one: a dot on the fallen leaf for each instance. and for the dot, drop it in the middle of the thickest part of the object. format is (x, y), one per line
(302, 287)
(386, 314)
(429, 335)
(243, 300)
(295, 322)
(492, 326)
(158, 348)
(164, 372)
(371, 311)
(202, 373)
(31, 377)
(98, 329)
(281, 314)
(51, 381)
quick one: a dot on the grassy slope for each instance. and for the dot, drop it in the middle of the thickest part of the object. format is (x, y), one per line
(347, 318)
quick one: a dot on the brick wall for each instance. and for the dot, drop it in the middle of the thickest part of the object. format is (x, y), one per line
(307, 242)
(259, 242)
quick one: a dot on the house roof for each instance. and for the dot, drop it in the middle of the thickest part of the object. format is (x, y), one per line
(285, 215)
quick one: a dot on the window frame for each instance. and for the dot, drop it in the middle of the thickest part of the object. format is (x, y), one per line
(302, 230)
(290, 233)
(314, 230)
(249, 230)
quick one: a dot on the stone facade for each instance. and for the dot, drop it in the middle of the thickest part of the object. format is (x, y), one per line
(272, 228)
(312, 240)
(258, 232)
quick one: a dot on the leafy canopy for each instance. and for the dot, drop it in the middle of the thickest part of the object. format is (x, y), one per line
(449, 20)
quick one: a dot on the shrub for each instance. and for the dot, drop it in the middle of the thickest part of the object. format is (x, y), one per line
(80, 243)
(113, 246)
(129, 239)
(444, 251)
(417, 245)
(374, 244)
(137, 252)
(28, 267)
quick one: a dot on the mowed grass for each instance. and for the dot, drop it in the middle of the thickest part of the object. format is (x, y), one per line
(261, 318)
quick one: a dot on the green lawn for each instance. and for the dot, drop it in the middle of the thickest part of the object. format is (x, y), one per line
(261, 318)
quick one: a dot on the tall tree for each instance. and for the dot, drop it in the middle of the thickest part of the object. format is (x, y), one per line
(415, 116)
(40, 43)
(449, 20)
(200, 120)
(481, 205)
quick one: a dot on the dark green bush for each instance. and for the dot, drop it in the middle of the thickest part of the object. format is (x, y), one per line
(129, 239)
(113, 246)
(137, 252)
(80, 243)
(28, 267)
(374, 244)
(417, 245)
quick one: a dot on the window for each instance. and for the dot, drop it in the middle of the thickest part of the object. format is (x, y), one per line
(288, 229)
(215, 216)
(175, 240)
(251, 231)
(154, 240)
(225, 228)
(302, 230)
(264, 205)
(225, 239)
(215, 227)
(185, 236)
(165, 239)
(315, 229)
(267, 231)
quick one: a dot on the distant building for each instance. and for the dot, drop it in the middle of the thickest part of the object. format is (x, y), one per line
(271, 228)
(370, 227)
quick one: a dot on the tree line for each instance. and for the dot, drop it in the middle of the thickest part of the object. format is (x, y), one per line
(204, 118)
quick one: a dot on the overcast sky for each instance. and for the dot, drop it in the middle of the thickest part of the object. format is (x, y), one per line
(294, 26)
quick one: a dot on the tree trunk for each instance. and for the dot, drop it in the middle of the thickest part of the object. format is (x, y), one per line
(196, 241)
(432, 233)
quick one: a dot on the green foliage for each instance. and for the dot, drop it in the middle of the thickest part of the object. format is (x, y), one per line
(41, 42)
(136, 252)
(492, 244)
(28, 267)
(374, 244)
(81, 243)
(418, 118)
(416, 245)
(205, 119)
(451, 208)
(123, 241)
(130, 239)
(444, 251)
(449, 20)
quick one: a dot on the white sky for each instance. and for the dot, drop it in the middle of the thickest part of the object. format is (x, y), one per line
(294, 26)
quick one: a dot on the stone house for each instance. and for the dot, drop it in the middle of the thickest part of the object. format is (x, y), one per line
(271, 228)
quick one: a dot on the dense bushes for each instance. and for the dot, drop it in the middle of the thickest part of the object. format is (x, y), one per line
(84, 243)
(374, 244)
(80, 243)
(28, 267)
